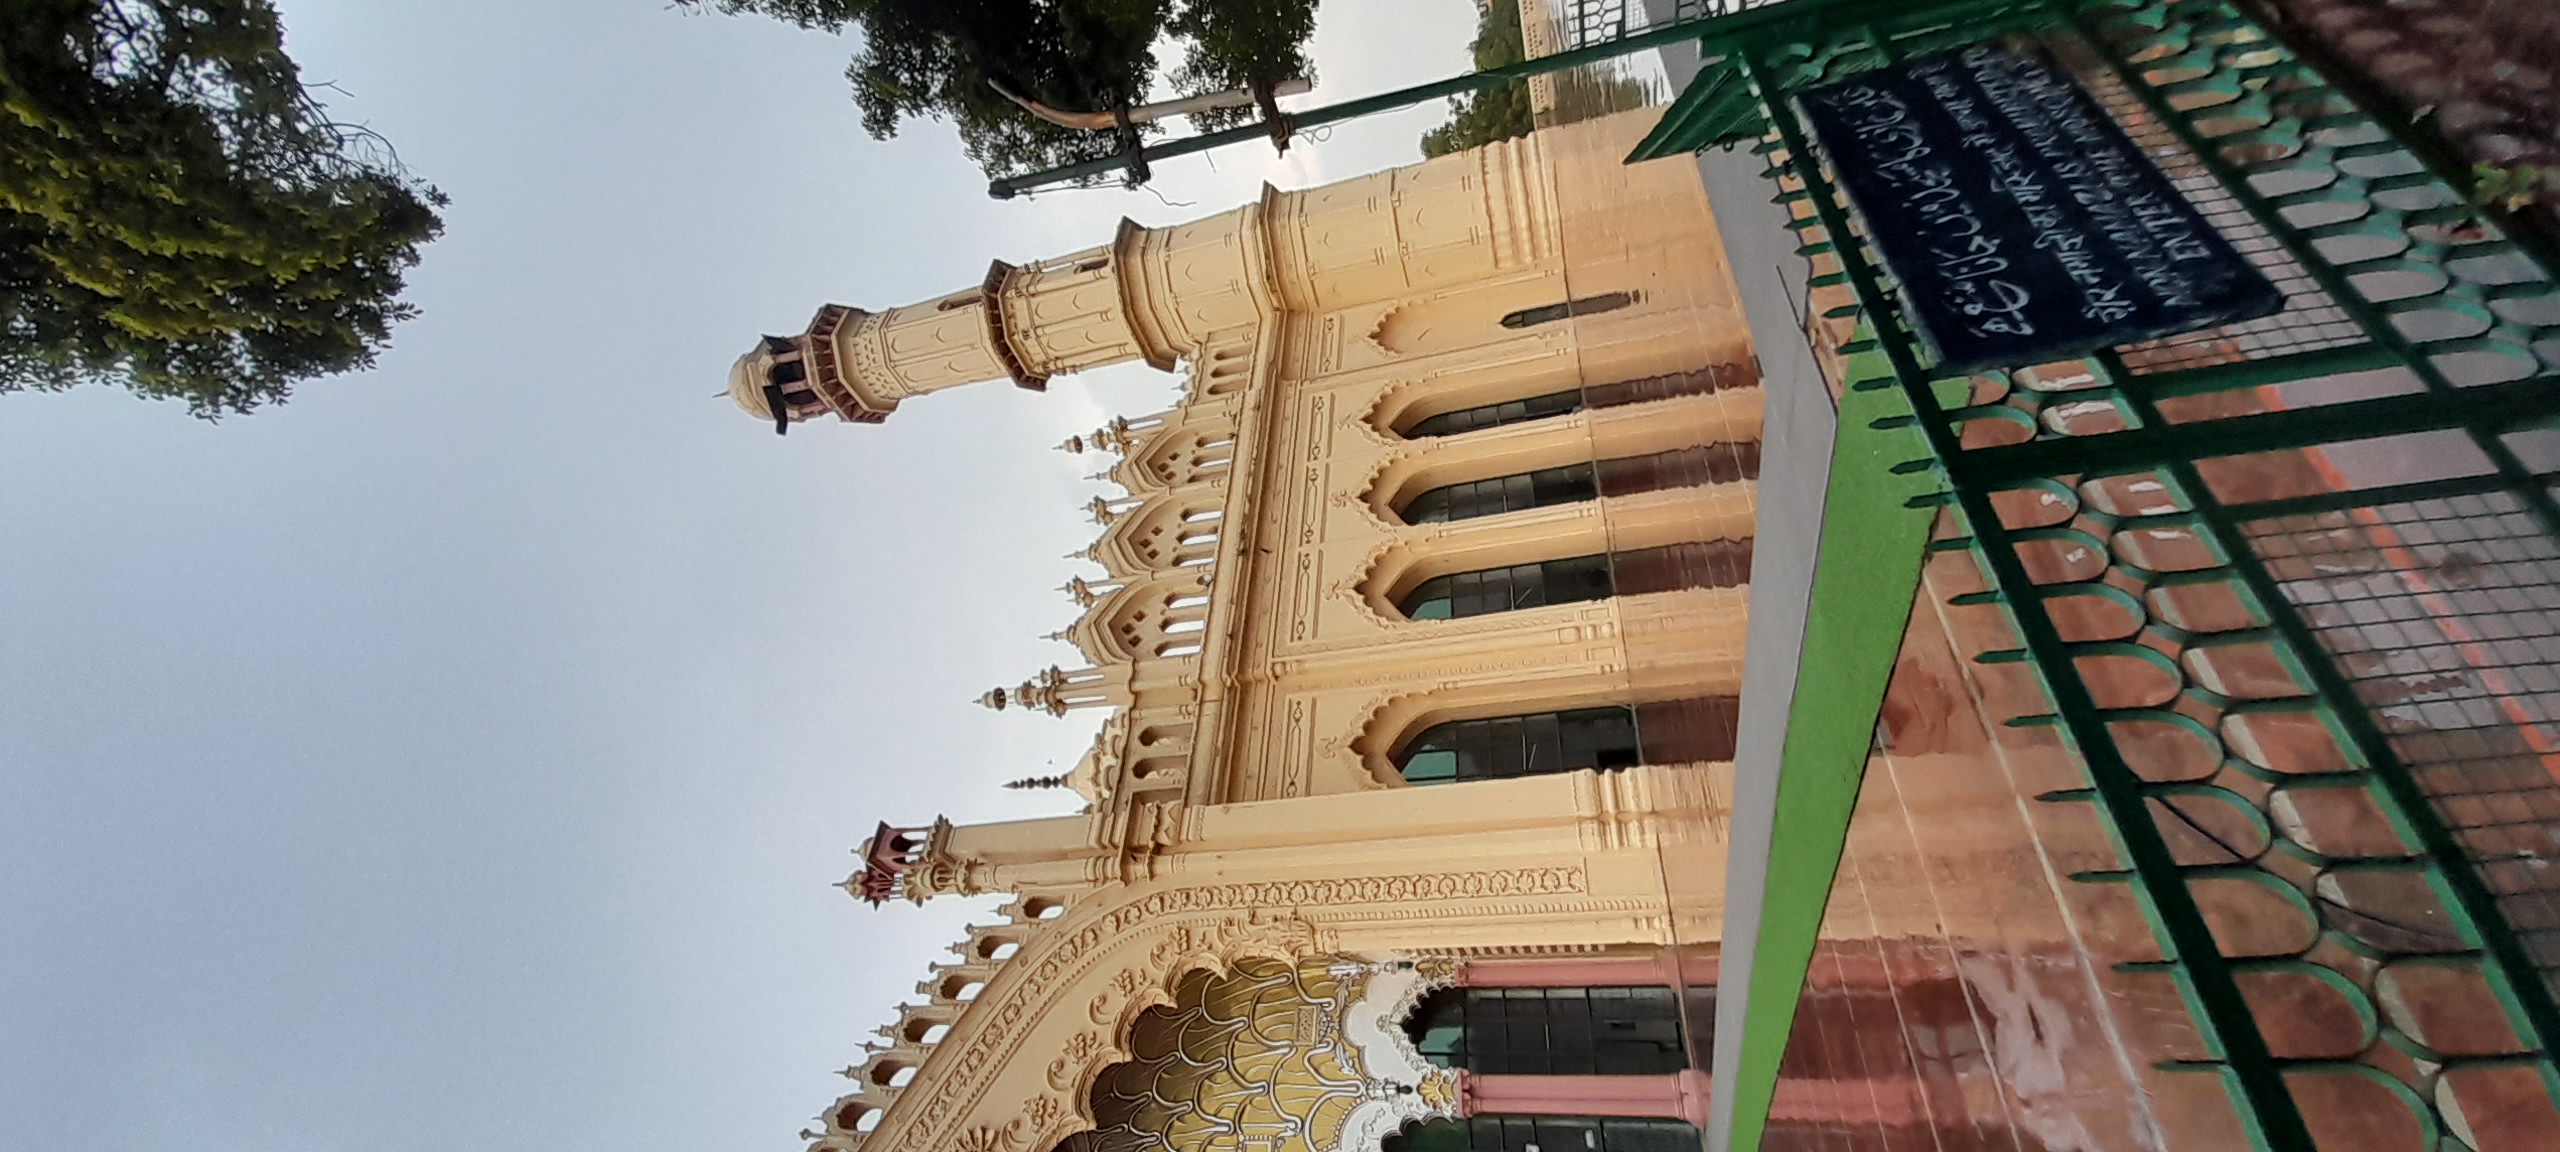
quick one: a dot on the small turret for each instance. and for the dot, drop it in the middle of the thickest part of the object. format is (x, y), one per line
(888, 858)
(791, 379)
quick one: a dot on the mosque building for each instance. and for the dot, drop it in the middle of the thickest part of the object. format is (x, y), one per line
(1419, 637)
(2154, 747)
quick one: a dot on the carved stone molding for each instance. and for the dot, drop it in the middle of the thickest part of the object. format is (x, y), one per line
(1181, 929)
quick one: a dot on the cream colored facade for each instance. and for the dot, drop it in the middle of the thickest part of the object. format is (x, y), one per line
(1244, 818)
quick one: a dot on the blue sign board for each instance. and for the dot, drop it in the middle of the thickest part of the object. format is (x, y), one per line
(2021, 222)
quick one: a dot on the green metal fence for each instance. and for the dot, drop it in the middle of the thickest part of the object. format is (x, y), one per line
(2292, 587)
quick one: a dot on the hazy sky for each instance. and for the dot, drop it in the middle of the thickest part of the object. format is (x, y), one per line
(458, 757)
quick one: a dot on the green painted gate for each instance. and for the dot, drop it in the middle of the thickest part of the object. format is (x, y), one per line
(2291, 587)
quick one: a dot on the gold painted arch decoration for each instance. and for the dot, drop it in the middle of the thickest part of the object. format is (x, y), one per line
(1274, 1057)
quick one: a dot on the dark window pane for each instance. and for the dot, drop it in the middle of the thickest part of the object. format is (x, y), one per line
(1531, 317)
(1616, 394)
(1464, 594)
(1549, 313)
(1430, 600)
(1542, 745)
(1578, 579)
(1545, 1134)
(1535, 744)
(1634, 1134)
(1572, 484)
(1505, 749)
(1435, 1136)
(1575, 483)
(1496, 415)
(1552, 1031)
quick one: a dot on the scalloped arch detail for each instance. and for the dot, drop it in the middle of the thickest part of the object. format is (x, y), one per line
(1130, 951)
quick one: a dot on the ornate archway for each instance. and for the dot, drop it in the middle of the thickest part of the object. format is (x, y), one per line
(1274, 1056)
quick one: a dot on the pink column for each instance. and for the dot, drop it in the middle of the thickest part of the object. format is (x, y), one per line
(1660, 970)
(1679, 1096)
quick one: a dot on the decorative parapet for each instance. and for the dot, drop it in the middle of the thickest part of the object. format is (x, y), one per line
(908, 1042)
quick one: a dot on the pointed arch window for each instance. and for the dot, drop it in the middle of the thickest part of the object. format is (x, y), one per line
(1576, 483)
(1575, 579)
(1497, 415)
(1502, 747)
(1459, 595)
(1539, 743)
(1518, 492)
(1580, 306)
(1699, 382)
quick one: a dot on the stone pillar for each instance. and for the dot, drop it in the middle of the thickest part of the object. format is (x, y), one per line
(1678, 1096)
(1049, 854)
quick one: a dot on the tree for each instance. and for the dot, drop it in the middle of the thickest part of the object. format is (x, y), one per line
(1498, 113)
(926, 59)
(1238, 44)
(1503, 112)
(178, 216)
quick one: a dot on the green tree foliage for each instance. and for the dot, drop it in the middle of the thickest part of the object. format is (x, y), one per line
(1238, 44)
(179, 217)
(1482, 117)
(925, 59)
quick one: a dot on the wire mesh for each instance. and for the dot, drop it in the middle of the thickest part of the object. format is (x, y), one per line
(2445, 617)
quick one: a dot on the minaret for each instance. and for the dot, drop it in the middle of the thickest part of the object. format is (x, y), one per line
(1024, 324)
(1158, 294)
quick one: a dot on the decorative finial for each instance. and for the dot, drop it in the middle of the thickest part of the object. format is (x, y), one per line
(1029, 783)
(1079, 591)
(1112, 437)
(1041, 693)
(1062, 636)
(1101, 510)
(849, 1072)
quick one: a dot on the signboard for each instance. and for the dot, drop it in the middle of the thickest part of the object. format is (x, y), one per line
(2021, 222)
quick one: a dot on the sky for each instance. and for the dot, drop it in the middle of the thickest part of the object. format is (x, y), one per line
(459, 757)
